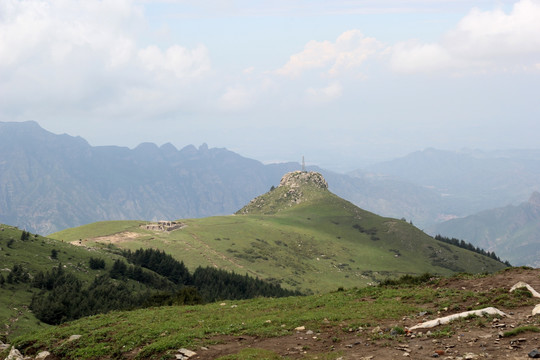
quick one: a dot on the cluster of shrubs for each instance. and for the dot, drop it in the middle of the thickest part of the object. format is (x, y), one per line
(147, 278)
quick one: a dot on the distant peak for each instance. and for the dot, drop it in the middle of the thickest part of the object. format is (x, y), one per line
(168, 147)
(146, 146)
(535, 199)
(298, 178)
(295, 187)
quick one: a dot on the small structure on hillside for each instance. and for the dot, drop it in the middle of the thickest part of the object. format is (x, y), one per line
(163, 225)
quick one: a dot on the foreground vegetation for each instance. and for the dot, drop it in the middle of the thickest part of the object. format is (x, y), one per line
(158, 332)
(48, 282)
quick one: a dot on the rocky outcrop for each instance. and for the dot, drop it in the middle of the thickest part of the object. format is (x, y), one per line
(15, 354)
(299, 178)
(294, 188)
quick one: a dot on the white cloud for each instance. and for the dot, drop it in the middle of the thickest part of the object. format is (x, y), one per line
(413, 56)
(325, 94)
(236, 98)
(176, 59)
(482, 40)
(73, 57)
(348, 52)
(53, 30)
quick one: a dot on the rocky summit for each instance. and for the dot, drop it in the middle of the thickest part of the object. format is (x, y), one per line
(294, 188)
(298, 178)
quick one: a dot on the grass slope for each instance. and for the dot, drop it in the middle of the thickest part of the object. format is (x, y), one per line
(300, 235)
(354, 314)
(34, 255)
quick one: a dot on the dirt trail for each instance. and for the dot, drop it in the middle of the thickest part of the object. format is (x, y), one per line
(470, 339)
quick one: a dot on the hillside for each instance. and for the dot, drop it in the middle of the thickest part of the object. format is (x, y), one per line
(35, 254)
(511, 231)
(367, 323)
(48, 282)
(300, 235)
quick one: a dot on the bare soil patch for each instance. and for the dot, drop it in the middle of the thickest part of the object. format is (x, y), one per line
(117, 238)
(475, 338)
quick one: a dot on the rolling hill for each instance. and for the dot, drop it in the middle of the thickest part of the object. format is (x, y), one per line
(513, 232)
(298, 234)
(46, 282)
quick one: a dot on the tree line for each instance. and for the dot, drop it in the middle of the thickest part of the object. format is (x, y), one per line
(212, 284)
(147, 278)
(466, 245)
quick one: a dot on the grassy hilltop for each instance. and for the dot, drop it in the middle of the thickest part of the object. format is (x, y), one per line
(298, 234)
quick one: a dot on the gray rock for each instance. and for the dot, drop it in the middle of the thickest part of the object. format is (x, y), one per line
(535, 354)
(187, 353)
(43, 355)
(14, 354)
(74, 337)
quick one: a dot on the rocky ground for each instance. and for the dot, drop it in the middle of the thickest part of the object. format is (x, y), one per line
(469, 338)
(476, 338)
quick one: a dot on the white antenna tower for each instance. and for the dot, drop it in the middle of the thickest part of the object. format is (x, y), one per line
(303, 164)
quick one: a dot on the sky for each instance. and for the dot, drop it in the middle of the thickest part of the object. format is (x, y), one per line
(344, 83)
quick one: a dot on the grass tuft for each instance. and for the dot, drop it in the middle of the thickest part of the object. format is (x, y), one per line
(520, 330)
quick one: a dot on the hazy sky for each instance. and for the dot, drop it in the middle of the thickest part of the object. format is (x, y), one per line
(341, 82)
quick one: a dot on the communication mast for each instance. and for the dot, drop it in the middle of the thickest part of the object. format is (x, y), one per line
(303, 164)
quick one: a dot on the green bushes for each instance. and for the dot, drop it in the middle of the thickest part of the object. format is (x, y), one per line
(408, 280)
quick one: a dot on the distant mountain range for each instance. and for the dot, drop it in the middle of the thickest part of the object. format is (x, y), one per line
(51, 182)
(468, 181)
(512, 231)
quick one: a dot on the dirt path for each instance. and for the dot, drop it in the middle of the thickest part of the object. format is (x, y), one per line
(476, 338)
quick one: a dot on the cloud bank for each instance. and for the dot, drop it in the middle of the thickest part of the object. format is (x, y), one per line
(482, 41)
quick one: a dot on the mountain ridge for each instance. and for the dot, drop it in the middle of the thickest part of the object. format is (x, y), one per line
(512, 231)
(50, 182)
